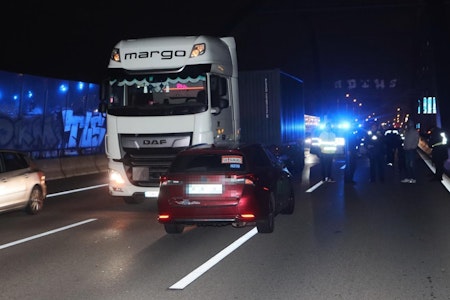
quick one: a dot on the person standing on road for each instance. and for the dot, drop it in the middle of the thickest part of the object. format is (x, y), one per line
(393, 141)
(439, 151)
(376, 152)
(351, 156)
(410, 144)
(327, 151)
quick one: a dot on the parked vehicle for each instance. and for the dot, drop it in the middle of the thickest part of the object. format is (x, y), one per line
(164, 94)
(22, 183)
(272, 112)
(223, 185)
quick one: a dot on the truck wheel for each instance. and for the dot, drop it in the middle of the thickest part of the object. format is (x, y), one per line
(267, 225)
(174, 228)
(133, 200)
(36, 201)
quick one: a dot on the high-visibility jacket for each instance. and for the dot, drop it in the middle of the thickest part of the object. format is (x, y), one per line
(327, 141)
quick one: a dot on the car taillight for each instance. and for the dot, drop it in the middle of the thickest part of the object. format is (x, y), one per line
(164, 180)
(248, 217)
(163, 217)
(248, 179)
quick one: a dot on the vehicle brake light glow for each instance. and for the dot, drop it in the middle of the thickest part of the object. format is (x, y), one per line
(163, 217)
(248, 216)
(166, 181)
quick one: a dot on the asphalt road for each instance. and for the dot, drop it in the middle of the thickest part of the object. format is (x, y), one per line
(364, 241)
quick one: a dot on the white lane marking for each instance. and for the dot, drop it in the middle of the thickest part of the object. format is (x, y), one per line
(185, 281)
(76, 190)
(45, 233)
(311, 189)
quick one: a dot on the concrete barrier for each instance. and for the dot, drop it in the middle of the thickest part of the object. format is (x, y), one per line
(51, 167)
(56, 168)
(424, 146)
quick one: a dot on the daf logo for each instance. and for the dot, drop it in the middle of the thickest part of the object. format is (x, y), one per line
(154, 142)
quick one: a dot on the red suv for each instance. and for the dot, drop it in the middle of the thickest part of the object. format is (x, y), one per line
(221, 185)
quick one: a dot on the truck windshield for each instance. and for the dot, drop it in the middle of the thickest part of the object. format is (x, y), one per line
(157, 95)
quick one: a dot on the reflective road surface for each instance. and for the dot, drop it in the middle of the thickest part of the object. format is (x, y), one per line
(367, 240)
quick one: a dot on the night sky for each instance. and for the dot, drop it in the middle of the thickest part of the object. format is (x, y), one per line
(370, 48)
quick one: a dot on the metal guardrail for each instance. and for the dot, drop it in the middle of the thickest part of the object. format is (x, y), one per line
(427, 150)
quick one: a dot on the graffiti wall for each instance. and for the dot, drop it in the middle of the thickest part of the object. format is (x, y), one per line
(50, 117)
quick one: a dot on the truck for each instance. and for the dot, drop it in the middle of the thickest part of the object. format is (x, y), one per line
(164, 94)
(271, 104)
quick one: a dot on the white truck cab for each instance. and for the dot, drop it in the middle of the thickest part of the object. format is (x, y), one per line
(162, 95)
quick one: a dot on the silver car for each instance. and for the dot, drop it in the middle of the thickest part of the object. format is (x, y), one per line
(22, 183)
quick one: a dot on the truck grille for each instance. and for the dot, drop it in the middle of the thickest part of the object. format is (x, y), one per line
(146, 169)
(147, 157)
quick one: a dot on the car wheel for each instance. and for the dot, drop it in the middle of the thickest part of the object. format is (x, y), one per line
(133, 200)
(289, 209)
(36, 201)
(174, 228)
(267, 225)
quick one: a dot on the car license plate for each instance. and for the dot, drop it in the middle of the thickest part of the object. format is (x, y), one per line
(205, 189)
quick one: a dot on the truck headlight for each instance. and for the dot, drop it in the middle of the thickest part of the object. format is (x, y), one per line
(115, 178)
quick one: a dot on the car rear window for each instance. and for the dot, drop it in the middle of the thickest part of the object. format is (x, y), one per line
(208, 163)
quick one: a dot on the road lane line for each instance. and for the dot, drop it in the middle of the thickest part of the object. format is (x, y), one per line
(45, 233)
(76, 190)
(185, 281)
(311, 189)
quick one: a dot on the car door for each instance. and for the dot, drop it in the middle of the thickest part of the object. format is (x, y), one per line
(270, 173)
(282, 178)
(13, 175)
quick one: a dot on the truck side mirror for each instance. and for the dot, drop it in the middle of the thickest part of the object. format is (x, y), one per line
(221, 104)
(103, 89)
(102, 107)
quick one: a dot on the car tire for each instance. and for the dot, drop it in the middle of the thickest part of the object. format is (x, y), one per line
(267, 225)
(174, 228)
(289, 209)
(133, 200)
(36, 201)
